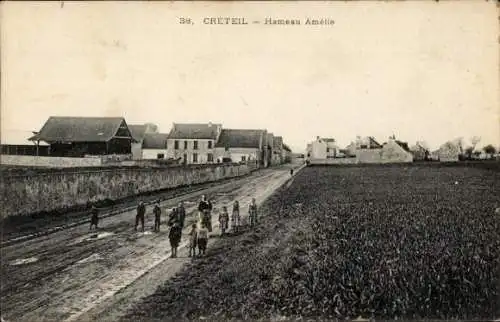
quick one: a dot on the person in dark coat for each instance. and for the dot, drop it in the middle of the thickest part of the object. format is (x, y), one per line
(205, 208)
(173, 218)
(157, 213)
(141, 212)
(94, 219)
(252, 212)
(175, 236)
(181, 211)
(291, 172)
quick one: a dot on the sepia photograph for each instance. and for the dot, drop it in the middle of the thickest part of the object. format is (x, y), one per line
(250, 160)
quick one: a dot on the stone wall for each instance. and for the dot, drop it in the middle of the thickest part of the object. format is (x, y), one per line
(333, 161)
(28, 194)
(55, 162)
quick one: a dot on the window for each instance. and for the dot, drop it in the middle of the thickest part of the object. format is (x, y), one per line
(195, 145)
(160, 156)
(210, 157)
(176, 145)
(327, 150)
(209, 144)
(185, 145)
(243, 158)
(195, 157)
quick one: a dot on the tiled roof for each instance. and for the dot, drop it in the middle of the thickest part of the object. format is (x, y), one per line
(155, 141)
(79, 129)
(194, 131)
(231, 138)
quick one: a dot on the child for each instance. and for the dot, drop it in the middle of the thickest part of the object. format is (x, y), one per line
(202, 239)
(235, 218)
(175, 238)
(173, 218)
(94, 220)
(252, 213)
(157, 213)
(193, 236)
(223, 220)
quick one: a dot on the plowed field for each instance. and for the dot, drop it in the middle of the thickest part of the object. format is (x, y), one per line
(347, 242)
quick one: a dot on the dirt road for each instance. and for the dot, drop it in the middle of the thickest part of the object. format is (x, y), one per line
(76, 275)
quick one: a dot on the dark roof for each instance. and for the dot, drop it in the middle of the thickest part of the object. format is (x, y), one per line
(138, 131)
(328, 139)
(194, 131)
(373, 142)
(79, 129)
(231, 138)
(404, 145)
(155, 141)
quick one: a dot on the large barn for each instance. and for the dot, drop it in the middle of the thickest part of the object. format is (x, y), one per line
(80, 136)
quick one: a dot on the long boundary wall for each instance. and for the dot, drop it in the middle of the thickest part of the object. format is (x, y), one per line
(29, 194)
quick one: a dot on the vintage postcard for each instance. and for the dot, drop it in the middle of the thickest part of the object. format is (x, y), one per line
(260, 160)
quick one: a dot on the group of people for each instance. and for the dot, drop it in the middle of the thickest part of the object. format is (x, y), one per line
(198, 235)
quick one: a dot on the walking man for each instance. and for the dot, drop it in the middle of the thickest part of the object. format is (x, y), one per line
(141, 211)
(181, 212)
(157, 213)
(252, 213)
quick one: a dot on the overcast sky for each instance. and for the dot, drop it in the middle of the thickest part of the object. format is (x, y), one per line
(421, 70)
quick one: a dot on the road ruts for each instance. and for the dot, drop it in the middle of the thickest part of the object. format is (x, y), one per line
(72, 271)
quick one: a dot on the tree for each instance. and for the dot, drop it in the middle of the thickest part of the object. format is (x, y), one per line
(468, 152)
(490, 149)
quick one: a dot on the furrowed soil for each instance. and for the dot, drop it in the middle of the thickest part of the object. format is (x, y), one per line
(386, 242)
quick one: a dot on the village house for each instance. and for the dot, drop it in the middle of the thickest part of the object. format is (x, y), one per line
(154, 146)
(138, 132)
(323, 148)
(269, 148)
(278, 157)
(193, 143)
(85, 136)
(242, 145)
(286, 154)
(420, 153)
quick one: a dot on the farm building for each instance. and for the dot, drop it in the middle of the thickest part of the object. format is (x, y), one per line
(268, 151)
(420, 153)
(323, 148)
(81, 136)
(278, 150)
(193, 143)
(286, 154)
(154, 146)
(138, 132)
(242, 145)
(393, 151)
